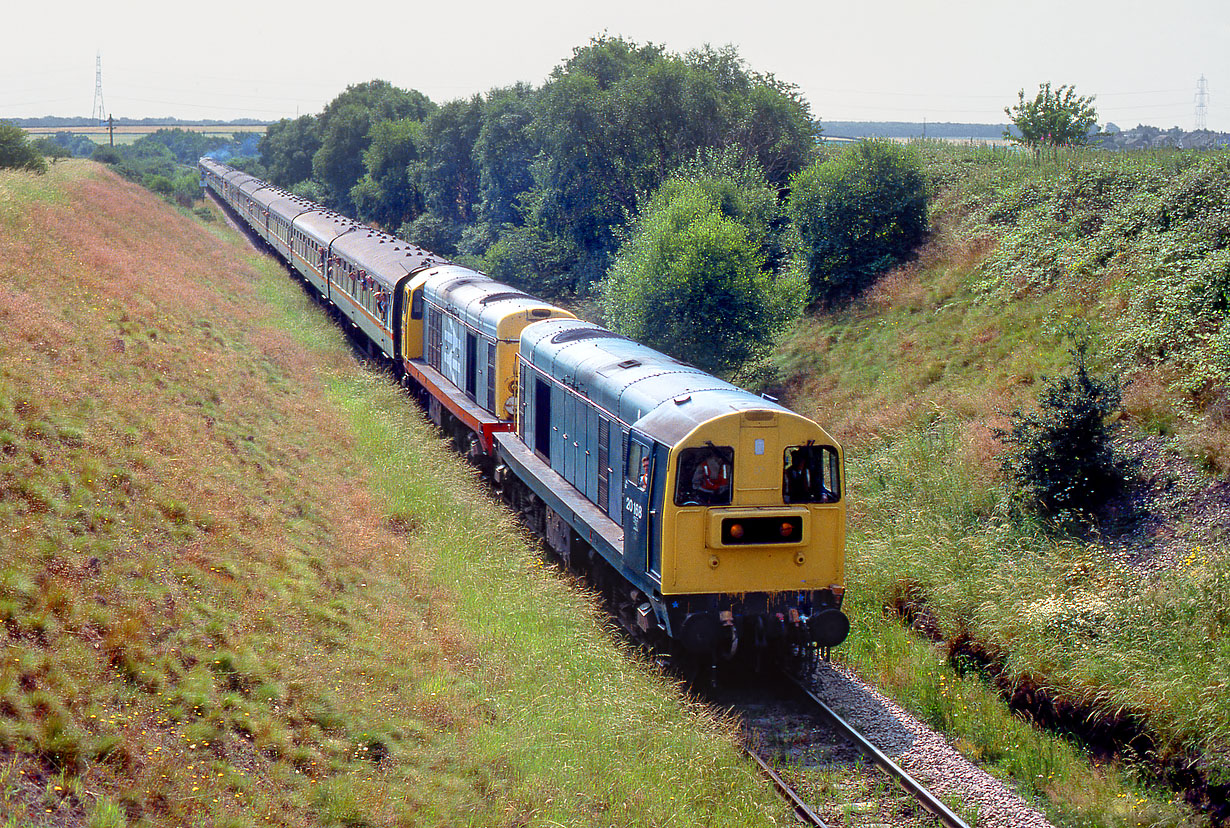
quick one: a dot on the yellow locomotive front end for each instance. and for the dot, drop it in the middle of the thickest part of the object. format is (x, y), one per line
(753, 533)
(756, 506)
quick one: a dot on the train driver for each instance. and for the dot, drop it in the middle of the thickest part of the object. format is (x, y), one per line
(711, 480)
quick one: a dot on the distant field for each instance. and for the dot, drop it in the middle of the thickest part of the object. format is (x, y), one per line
(128, 133)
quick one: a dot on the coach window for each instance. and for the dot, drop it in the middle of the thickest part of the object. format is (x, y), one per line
(705, 476)
(811, 474)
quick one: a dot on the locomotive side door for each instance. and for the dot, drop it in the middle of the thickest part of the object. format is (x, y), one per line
(637, 521)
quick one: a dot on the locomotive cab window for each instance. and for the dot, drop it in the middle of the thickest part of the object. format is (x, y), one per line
(638, 466)
(705, 476)
(811, 474)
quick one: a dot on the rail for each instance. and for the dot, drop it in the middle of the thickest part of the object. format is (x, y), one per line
(911, 785)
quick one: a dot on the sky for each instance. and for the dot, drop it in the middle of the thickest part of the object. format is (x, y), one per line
(883, 60)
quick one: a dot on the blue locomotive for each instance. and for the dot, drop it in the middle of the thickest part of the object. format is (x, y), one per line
(709, 517)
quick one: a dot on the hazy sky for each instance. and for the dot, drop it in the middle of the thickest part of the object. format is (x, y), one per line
(900, 60)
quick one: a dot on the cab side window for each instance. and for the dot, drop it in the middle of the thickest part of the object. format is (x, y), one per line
(638, 466)
(811, 474)
(705, 476)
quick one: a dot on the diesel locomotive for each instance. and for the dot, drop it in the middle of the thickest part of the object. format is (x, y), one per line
(711, 519)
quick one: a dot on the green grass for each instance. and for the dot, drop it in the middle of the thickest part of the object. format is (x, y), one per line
(915, 376)
(932, 543)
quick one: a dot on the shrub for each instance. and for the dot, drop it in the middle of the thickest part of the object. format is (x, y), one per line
(17, 152)
(691, 279)
(107, 155)
(1063, 458)
(857, 215)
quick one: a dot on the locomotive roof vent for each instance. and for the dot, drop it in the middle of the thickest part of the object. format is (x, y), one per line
(498, 297)
(457, 284)
(629, 363)
(576, 334)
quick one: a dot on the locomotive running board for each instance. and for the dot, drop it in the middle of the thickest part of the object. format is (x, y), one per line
(479, 420)
(586, 519)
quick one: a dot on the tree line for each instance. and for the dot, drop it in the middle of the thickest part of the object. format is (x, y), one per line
(686, 198)
(629, 170)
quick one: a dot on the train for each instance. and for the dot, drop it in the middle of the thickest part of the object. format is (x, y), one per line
(711, 519)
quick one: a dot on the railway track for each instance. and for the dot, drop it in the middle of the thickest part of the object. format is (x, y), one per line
(828, 772)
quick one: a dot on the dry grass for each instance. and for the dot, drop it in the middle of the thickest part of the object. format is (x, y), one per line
(236, 588)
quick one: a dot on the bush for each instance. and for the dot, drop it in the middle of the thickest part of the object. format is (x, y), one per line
(310, 190)
(1063, 458)
(857, 215)
(1159, 225)
(17, 152)
(107, 155)
(692, 278)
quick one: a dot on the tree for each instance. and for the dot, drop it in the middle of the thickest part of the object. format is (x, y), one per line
(287, 149)
(616, 119)
(1058, 118)
(16, 151)
(345, 127)
(690, 278)
(338, 164)
(857, 215)
(186, 145)
(446, 173)
(1061, 454)
(385, 194)
(504, 153)
(51, 148)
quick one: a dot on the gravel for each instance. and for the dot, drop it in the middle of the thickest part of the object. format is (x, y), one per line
(923, 753)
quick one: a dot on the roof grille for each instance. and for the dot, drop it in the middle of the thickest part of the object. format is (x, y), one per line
(508, 294)
(576, 334)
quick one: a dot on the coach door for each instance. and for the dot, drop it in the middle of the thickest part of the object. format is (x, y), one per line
(638, 520)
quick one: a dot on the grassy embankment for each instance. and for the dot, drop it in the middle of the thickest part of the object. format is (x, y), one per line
(1127, 629)
(242, 583)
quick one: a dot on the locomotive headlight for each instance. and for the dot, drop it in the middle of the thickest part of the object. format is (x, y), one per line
(753, 527)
